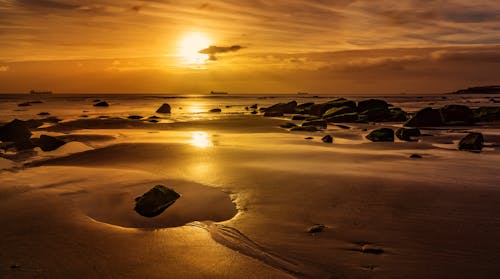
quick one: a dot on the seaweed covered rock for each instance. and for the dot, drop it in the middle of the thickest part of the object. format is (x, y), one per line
(487, 114)
(372, 104)
(15, 131)
(327, 139)
(375, 114)
(165, 108)
(425, 117)
(471, 142)
(155, 201)
(273, 114)
(406, 133)
(338, 111)
(304, 129)
(316, 123)
(320, 109)
(457, 115)
(101, 104)
(344, 118)
(397, 115)
(382, 134)
(282, 108)
(48, 143)
(304, 108)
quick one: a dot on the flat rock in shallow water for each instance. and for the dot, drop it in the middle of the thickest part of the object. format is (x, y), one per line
(406, 133)
(216, 110)
(471, 142)
(165, 108)
(382, 134)
(155, 201)
(101, 104)
(327, 139)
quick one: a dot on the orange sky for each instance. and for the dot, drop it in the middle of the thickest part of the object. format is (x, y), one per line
(320, 46)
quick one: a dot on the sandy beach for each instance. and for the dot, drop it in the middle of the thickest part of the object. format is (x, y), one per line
(250, 191)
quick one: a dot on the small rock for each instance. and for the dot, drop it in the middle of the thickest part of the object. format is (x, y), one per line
(165, 108)
(317, 228)
(406, 133)
(135, 117)
(471, 142)
(309, 138)
(155, 201)
(216, 110)
(369, 250)
(316, 123)
(254, 112)
(153, 121)
(273, 114)
(48, 143)
(25, 104)
(415, 156)
(382, 134)
(44, 113)
(288, 125)
(304, 129)
(101, 104)
(254, 106)
(327, 139)
(15, 266)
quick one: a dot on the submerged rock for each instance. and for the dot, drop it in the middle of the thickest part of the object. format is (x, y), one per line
(102, 104)
(43, 113)
(165, 108)
(370, 250)
(48, 143)
(406, 133)
(25, 104)
(327, 139)
(254, 106)
(471, 142)
(155, 201)
(382, 134)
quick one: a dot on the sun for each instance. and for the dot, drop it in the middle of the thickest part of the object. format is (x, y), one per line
(190, 45)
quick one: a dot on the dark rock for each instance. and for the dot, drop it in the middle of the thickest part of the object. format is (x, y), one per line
(299, 117)
(471, 142)
(228, 106)
(272, 113)
(135, 117)
(43, 113)
(304, 108)
(316, 123)
(338, 111)
(254, 112)
(50, 119)
(317, 228)
(288, 125)
(282, 108)
(382, 134)
(375, 114)
(215, 110)
(304, 129)
(344, 118)
(254, 106)
(370, 250)
(165, 108)
(153, 121)
(372, 104)
(84, 116)
(397, 115)
(34, 123)
(311, 118)
(15, 131)
(415, 156)
(343, 126)
(155, 201)
(487, 114)
(96, 100)
(48, 143)
(154, 117)
(25, 104)
(101, 104)
(320, 109)
(406, 133)
(309, 138)
(425, 117)
(327, 139)
(457, 114)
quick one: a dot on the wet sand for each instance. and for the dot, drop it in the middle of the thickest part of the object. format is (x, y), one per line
(250, 190)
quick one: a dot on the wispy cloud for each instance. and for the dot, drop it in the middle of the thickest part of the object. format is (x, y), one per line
(214, 50)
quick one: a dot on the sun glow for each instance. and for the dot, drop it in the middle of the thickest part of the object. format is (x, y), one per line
(189, 47)
(200, 139)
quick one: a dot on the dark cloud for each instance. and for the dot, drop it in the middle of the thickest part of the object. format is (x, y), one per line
(212, 51)
(48, 4)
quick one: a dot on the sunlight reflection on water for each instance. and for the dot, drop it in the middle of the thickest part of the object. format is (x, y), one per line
(200, 139)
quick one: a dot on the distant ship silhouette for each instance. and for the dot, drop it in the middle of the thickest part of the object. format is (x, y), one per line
(40, 92)
(218, 93)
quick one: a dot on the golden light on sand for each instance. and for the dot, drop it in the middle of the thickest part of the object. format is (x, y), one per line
(200, 139)
(189, 47)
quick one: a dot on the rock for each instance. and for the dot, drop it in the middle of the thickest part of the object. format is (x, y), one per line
(370, 250)
(382, 134)
(254, 106)
(215, 110)
(425, 117)
(299, 117)
(316, 123)
(15, 131)
(320, 109)
(50, 119)
(344, 118)
(338, 111)
(303, 108)
(343, 126)
(457, 115)
(415, 156)
(135, 117)
(155, 201)
(165, 108)
(43, 113)
(282, 108)
(487, 114)
(25, 104)
(288, 125)
(101, 104)
(397, 115)
(273, 114)
(327, 139)
(254, 112)
(311, 118)
(406, 133)
(317, 228)
(375, 114)
(309, 138)
(471, 142)
(34, 123)
(153, 121)
(228, 106)
(154, 117)
(304, 129)
(84, 116)
(48, 143)
(372, 104)
(25, 144)
(96, 100)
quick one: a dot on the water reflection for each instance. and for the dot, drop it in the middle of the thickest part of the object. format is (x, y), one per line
(200, 139)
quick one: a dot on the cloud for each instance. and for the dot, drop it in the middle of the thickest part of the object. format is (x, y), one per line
(48, 4)
(213, 50)
(4, 68)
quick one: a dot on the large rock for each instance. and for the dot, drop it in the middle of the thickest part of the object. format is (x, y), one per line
(457, 115)
(344, 118)
(273, 114)
(486, 114)
(304, 108)
(48, 143)
(375, 114)
(316, 123)
(372, 104)
(320, 109)
(472, 142)
(155, 201)
(101, 104)
(165, 108)
(15, 131)
(338, 111)
(398, 115)
(426, 117)
(382, 134)
(406, 133)
(283, 108)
